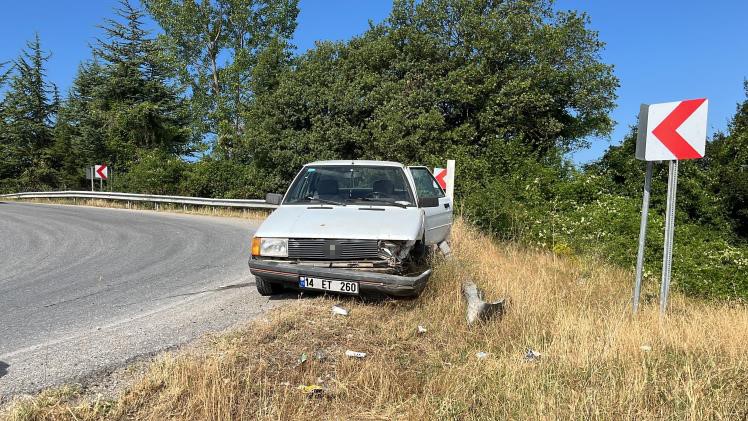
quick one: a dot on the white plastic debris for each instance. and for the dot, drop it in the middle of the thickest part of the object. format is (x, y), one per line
(355, 354)
(645, 348)
(445, 249)
(421, 330)
(481, 355)
(532, 355)
(336, 309)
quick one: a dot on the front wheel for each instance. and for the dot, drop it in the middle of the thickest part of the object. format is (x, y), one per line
(266, 288)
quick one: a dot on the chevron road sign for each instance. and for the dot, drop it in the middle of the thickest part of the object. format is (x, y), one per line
(671, 131)
(101, 172)
(446, 178)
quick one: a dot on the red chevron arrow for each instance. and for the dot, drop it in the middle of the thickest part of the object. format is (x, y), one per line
(440, 179)
(666, 130)
(101, 172)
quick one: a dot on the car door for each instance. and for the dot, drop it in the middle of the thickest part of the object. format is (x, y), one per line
(438, 220)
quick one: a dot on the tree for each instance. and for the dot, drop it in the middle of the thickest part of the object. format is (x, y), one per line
(727, 156)
(6, 168)
(217, 43)
(143, 108)
(29, 116)
(124, 104)
(488, 82)
(80, 133)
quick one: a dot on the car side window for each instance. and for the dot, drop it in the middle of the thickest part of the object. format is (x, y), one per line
(426, 184)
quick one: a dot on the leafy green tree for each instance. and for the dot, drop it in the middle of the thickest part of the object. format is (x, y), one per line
(622, 174)
(727, 155)
(489, 83)
(217, 43)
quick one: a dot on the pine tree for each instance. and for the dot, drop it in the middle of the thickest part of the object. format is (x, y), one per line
(79, 132)
(6, 168)
(144, 109)
(29, 115)
(124, 103)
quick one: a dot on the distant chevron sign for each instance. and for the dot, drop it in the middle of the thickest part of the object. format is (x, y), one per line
(101, 172)
(672, 130)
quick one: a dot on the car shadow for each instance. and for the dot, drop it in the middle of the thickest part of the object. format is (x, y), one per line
(3, 368)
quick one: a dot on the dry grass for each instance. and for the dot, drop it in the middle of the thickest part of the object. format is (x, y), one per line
(574, 312)
(254, 214)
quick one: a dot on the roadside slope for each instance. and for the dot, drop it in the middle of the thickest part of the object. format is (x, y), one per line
(595, 361)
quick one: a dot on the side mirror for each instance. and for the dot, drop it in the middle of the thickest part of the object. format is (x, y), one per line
(428, 202)
(273, 198)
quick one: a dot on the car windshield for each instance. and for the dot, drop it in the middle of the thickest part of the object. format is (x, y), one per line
(346, 184)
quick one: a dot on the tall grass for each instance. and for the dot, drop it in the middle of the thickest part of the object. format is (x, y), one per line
(596, 361)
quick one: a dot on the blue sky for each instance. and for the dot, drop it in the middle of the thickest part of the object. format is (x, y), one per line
(662, 50)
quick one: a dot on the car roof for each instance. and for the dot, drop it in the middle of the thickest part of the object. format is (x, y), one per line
(358, 162)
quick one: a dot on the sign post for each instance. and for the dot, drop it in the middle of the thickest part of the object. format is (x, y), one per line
(90, 176)
(667, 256)
(97, 172)
(670, 131)
(642, 235)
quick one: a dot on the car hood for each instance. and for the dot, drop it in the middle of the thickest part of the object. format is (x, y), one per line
(357, 222)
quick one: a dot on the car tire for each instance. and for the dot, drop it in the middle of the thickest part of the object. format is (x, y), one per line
(266, 288)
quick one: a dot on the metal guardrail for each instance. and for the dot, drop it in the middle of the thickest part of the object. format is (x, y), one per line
(153, 198)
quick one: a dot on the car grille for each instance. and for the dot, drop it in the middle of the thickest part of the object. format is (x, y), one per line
(332, 249)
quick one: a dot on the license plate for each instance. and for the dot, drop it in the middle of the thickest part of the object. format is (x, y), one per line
(346, 287)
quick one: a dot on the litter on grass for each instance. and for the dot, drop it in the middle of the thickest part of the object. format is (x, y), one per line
(336, 309)
(532, 355)
(312, 389)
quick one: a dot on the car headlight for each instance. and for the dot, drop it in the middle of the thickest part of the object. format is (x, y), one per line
(271, 247)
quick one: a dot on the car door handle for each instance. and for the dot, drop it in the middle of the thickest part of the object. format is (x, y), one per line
(446, 206)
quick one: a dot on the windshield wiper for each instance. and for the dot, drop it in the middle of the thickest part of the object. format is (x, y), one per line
(382, 200)
(329, 202)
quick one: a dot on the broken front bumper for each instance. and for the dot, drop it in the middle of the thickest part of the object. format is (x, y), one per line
(287, 274)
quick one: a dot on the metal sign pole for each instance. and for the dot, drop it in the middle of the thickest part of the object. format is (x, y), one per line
(667, 258)
(642, 236)
(92, 178)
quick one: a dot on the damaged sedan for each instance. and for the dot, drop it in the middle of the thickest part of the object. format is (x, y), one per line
(352, 227)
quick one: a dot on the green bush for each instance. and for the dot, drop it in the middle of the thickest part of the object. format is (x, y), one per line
(153, 173)
(576, 213)
(228, 179)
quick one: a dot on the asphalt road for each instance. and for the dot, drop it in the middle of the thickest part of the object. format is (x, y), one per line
(83, 290)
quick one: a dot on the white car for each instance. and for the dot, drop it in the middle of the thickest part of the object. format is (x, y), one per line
(352, 227)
